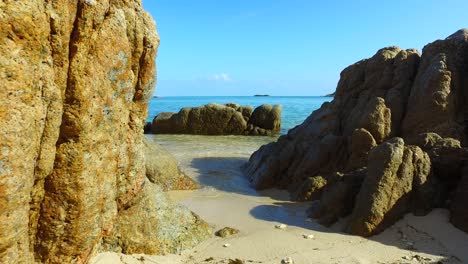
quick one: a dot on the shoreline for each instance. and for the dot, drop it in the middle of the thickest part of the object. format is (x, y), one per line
(226, 199)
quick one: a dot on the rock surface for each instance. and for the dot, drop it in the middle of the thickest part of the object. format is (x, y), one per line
(75, 78)
(458, 208)
(226, 231)
(392, 141)
(393, 172)
(157, 226)
(162, 169)
(216, 119)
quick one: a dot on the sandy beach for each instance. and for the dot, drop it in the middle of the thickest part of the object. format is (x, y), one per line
(226, 199)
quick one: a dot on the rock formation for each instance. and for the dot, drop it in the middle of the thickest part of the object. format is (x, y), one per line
(392, 141)
(75, 78)
(216, 119)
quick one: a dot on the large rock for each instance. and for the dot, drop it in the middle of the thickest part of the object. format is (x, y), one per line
(216, 119)
(393, 171)
(368, 94)
(395, 95)
(267, 117)
(75, 78)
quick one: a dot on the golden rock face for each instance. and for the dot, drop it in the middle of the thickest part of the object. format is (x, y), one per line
(75, 78)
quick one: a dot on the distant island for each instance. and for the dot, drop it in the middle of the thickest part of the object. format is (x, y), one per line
(262, 95)
(330, 95)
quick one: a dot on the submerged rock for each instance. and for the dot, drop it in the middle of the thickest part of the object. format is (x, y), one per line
(351, 154)
(216, 119)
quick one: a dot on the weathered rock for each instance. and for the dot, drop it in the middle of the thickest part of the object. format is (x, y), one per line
(227, 231)
(215, 119)
(438, 97)
(310, 190)
(385, 195)
(365, 99)
(338, 197)
(267, 117)
(168, 120)
(75, 78)
(393, 94)
(448, 159)
(362, 142)
(246, 112)
(162, 169)
(154, 225)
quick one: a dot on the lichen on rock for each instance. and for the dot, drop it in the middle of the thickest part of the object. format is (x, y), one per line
(75, 78)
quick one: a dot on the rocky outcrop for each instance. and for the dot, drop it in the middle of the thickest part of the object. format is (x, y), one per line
(392, 141)
(216, 119)
(162, 169)
(75, 78)
(366, 94)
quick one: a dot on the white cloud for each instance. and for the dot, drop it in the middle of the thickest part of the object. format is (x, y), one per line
(220, 77)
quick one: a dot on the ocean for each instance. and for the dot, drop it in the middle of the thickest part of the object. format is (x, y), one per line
(295, 108)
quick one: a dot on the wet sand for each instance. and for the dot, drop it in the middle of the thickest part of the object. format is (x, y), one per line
(226, 199)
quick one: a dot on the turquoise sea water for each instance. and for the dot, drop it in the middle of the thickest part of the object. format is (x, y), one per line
(295, 108)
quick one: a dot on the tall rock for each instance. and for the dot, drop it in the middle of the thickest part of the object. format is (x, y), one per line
(75, 78)
(351, 153)
(439, 97)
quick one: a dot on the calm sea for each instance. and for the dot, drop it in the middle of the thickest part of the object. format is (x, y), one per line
(295, 108)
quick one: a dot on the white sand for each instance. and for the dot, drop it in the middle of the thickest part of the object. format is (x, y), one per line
(227, 200)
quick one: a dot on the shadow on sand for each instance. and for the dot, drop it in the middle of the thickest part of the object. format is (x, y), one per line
(225, 174)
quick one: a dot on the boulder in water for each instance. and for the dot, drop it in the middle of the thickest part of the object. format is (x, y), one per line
(216, 119)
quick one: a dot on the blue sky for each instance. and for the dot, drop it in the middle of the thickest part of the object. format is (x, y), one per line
(285, 47)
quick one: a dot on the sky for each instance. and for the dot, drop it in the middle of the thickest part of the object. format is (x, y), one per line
(285, 47)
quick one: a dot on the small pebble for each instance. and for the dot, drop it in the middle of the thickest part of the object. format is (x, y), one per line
(227, 245)
(227, 231)
(281, 226)
(306, 236)
(287, 260)
(406, 257)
